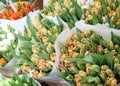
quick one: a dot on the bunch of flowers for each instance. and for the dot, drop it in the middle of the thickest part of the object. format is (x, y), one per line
(104, 12)
(16, 80)
(8, 43)
(68, 10)
(22, 8)
(87, 59)
(37, 52)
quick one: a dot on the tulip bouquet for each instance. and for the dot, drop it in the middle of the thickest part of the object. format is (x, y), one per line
(22, 8)
(8, 43)
(68, 10)
(88, 60)
(37, 51)
(103, 12)
(6, 1)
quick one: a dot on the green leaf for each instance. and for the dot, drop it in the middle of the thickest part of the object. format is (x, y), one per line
(108, 57)
(70, 25)
(28, 53)
(90, 79)
(43, 56)
(30, 25)
(27, 45)
(73, 59)
(19, 36)
(42, 45)
(4, 1)
(97, 58)
(12, 82)
(84, 81)
(95, 19)
(78, 11)
(115, 38)
(16, 66)
(24, 78)
(62, 75)
(89, 58)
(70, 77)
(74, 17)
(104, 9)
(33, 83)
(81, 62)
(27, 48)
(115, 18)
(34, 42)
(64, 49)
(11, 29)
(78, 30)
(75, 68)
(25, 59)
(60, 22)
(52, 39)
(16, 76)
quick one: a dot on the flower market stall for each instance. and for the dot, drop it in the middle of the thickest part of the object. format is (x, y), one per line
(59, 42)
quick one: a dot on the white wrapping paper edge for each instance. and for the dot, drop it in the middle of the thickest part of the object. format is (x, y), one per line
(100, 29)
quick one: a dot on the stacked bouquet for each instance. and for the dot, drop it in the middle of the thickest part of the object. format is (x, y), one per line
(37, 51)
(22, 8)
(8, 43)
(68, 10)
(103, 12)
(88, 60)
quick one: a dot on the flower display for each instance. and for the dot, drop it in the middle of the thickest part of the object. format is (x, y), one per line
(84, 56)
(103, 12)
(68, 10)
(37, 51)
(22, 8)
(87, 59)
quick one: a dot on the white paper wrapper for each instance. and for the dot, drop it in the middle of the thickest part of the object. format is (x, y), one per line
(100, 29)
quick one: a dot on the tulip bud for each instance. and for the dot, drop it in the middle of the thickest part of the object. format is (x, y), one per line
(70, 77)
(100, 85)
(94, 70)
(97, 80)
(81, 66)
(117, 68)
(111, 81)
(103, 75)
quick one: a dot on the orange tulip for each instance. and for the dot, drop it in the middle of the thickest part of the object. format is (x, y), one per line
(1, 16)
(2, 61)
(26, 10)
(31, 7)
(22, 8)
(16, 16)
